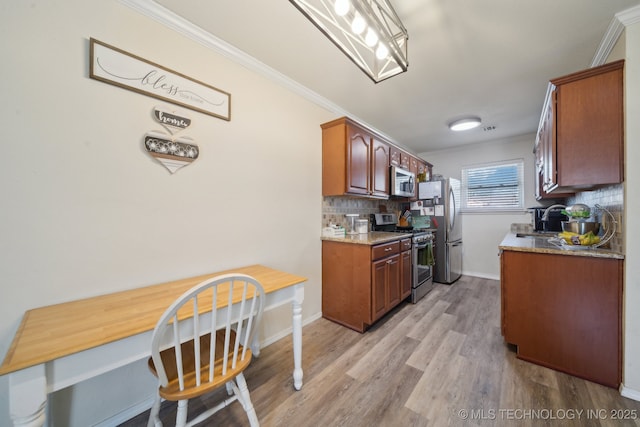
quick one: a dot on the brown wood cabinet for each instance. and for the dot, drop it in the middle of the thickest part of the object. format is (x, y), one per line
(564, 312)
(545, 170)
(385, 274)
(394, 159)
(354, 161)
(426, 169)
(360, 283)
(581, 136)
(405, 160)
(406, 268)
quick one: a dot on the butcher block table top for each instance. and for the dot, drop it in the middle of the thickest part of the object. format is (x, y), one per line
(55, 331)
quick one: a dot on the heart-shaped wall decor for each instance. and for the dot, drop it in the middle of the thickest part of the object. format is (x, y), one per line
(171, 153)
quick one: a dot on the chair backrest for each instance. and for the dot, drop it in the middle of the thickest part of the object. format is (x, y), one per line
(224, 312)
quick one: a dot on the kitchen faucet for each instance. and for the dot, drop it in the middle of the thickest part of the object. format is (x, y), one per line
(545, 215)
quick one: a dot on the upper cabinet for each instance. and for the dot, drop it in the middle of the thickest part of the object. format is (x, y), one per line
(395, 156)
(545, 171)
(580, 141)
(354, 162)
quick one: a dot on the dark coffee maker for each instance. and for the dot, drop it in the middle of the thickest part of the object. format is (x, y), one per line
(554, 221)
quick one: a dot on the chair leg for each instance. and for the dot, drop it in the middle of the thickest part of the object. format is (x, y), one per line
(245, 401)
(154, 419)
(181, 416)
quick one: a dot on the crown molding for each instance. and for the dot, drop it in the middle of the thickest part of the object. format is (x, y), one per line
(630, 16)
(164, 16)
(616, 26)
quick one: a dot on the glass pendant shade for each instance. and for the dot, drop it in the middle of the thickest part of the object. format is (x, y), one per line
(369, 32)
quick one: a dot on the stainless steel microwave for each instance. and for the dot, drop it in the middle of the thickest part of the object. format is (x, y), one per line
(403, 182)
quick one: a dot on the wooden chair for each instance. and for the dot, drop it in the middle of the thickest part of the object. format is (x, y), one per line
(224, 313)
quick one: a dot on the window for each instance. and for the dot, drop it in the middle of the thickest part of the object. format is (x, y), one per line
(493, 187)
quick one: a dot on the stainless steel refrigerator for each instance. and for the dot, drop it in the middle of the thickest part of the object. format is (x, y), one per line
(444, 197)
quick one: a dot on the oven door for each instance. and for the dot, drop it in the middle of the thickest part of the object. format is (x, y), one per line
(422, 263)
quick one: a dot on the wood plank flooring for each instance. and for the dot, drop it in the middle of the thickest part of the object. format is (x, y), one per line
(441, 362)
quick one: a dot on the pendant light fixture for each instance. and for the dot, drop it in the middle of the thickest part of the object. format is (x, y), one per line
(369, 32)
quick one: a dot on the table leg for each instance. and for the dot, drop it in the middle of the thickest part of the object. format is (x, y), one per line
(297, 336)
(28, 397)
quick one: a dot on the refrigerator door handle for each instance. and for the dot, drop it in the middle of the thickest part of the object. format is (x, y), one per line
(452, 210)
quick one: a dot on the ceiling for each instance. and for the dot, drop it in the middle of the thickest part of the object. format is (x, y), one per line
(490, 58)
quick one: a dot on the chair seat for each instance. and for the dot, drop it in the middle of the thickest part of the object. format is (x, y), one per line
(172, 390)
(223, 309)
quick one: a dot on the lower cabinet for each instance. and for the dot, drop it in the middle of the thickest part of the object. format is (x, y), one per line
(385, 275)
(406, 268)
(361, 283)
(564, 312)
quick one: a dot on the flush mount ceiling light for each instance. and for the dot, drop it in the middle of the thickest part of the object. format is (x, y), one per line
(369, 32)
(465, 123)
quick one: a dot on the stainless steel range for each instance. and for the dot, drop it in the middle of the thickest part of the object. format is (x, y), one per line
(422, 252)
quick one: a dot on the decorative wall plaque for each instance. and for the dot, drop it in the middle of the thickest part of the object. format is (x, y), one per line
(117, 67)
(172, 152)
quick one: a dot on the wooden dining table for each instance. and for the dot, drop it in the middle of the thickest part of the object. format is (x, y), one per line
(60, 345)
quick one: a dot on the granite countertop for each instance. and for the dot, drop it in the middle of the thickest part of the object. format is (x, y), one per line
(371, 238)
(539, 243)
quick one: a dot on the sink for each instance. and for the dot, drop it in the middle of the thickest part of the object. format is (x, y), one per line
(548, 239)
(536, 235)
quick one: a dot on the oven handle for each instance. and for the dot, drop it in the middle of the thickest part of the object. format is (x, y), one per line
(421, 245)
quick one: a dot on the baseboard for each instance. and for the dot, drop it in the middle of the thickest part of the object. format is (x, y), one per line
(481, 275)
(630, 393)
(285, 332)
(127, 414)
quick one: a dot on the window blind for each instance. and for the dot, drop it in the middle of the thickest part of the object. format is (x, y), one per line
(493, 186)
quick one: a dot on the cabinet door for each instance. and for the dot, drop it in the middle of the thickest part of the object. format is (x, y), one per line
(405, 274)
(546, 172)
(358, 163)
(380, 169)
(589, 130)
(393, 282)
(538, 175)
(394, 158)
(549, 146)
(405, 161)
(385, 275)
(378, 288)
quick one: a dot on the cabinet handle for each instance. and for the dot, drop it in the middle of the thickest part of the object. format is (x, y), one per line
(390, 261)
(388, 249)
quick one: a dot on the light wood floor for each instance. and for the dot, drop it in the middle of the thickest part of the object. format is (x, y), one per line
(436, 363)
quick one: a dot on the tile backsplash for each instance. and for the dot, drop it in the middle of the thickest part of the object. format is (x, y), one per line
(612, 199)
(335, 208)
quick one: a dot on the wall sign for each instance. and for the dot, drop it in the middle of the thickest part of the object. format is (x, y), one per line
(117, 67)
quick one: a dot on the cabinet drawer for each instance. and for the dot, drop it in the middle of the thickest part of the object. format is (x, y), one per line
(405, 245)
(386, 249)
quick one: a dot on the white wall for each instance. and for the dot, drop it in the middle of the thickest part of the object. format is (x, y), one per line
(85, 211)
(631, 377)
(482, 233)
